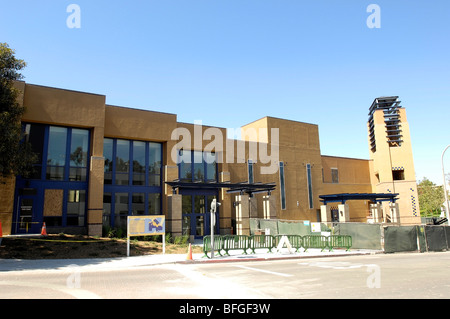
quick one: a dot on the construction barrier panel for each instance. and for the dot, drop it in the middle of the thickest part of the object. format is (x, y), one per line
(436, 238)
(400, 238)
(293, 228)
(269, 224)
(296, 241)
(364, 236)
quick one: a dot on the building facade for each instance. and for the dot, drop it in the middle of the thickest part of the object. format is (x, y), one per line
(100, 163)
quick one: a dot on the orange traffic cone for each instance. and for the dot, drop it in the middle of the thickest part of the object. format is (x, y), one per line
(189, 254)
(44, 230)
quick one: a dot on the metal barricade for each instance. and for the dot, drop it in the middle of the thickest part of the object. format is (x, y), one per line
(261, 242)
(340, 241)
(235, 242)
(315, 241)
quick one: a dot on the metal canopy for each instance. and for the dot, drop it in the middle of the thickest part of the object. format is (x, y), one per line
(376, 197)
(242, 188)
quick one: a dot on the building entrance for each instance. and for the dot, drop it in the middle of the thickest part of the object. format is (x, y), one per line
(196, 213)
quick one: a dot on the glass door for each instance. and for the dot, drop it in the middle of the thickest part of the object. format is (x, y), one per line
(196, 215)
(26, 222)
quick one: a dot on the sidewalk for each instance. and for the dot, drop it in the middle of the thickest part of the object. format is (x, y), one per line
(105, 264)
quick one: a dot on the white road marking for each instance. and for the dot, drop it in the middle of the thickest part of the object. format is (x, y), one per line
(265, 271)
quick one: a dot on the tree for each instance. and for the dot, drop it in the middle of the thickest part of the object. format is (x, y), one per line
(431, 198)
(16, 156)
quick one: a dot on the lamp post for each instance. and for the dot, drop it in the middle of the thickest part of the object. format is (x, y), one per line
(445, 187)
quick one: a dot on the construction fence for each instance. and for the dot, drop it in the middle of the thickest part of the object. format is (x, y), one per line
(376, 236)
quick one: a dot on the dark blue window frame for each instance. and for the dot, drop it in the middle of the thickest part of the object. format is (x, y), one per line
(131, 189)
(42, 183)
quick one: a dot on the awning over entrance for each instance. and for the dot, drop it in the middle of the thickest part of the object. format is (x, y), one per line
(242, 188)
(376, 197)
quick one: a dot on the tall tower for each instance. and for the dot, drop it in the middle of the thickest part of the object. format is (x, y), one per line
(391, 153)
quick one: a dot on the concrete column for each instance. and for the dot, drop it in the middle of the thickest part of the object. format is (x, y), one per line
(174, 215)
(344, 213)
(325, 213)
(376, 211)
(395, 213)
(242, 215)
(269, 207)
(95, 196)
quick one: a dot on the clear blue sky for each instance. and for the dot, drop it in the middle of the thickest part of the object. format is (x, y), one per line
(230, 62)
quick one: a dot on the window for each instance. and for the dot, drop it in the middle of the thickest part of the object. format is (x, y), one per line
(56, 154)
(138, 163)
(282, 186)
(132, 180)
(197, 166)
(108, 155)
(398, 175)
(154, 164)
(122, 162)
(250, 172)
(138, 204)
(310, 191)
(76, 207)
(79, 155)
(35, 135)
(334, 175)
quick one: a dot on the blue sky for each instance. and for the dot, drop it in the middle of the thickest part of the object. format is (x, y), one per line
(230, 62)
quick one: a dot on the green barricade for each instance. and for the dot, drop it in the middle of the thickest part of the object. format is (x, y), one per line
(261, 242)
(340, 241)
(315, 241)
(235, 242)
(218, 245)
(296, 241)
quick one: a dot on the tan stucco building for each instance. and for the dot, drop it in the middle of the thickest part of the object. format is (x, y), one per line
(100, 163)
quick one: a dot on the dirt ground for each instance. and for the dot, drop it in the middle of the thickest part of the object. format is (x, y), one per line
(75, 247)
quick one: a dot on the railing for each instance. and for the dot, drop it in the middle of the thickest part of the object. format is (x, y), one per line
(242, 242)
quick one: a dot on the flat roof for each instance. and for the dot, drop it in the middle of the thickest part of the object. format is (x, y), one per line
(343, 197)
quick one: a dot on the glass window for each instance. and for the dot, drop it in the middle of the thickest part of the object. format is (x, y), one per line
(282, 186)
(250, 171)
(138, 163)
(137, 204)
(185, 167)
(76, 207)
(35, 135)
(154, 204)
(309, 179)
(211, 166)
(154, 164)
(122, 162)
(106, 209)
(56, 155)
(334, 175)
(121, 210)
(199, 167)
(108, 155)
(187, 204)
(79, 147)
(199, 204)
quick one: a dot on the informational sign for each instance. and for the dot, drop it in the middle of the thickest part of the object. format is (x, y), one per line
(315, 227)
(146, 226)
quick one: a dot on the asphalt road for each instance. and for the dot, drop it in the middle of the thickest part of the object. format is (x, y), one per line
(408, 276)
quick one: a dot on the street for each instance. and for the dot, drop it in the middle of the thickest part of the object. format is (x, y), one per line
(409, 275)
